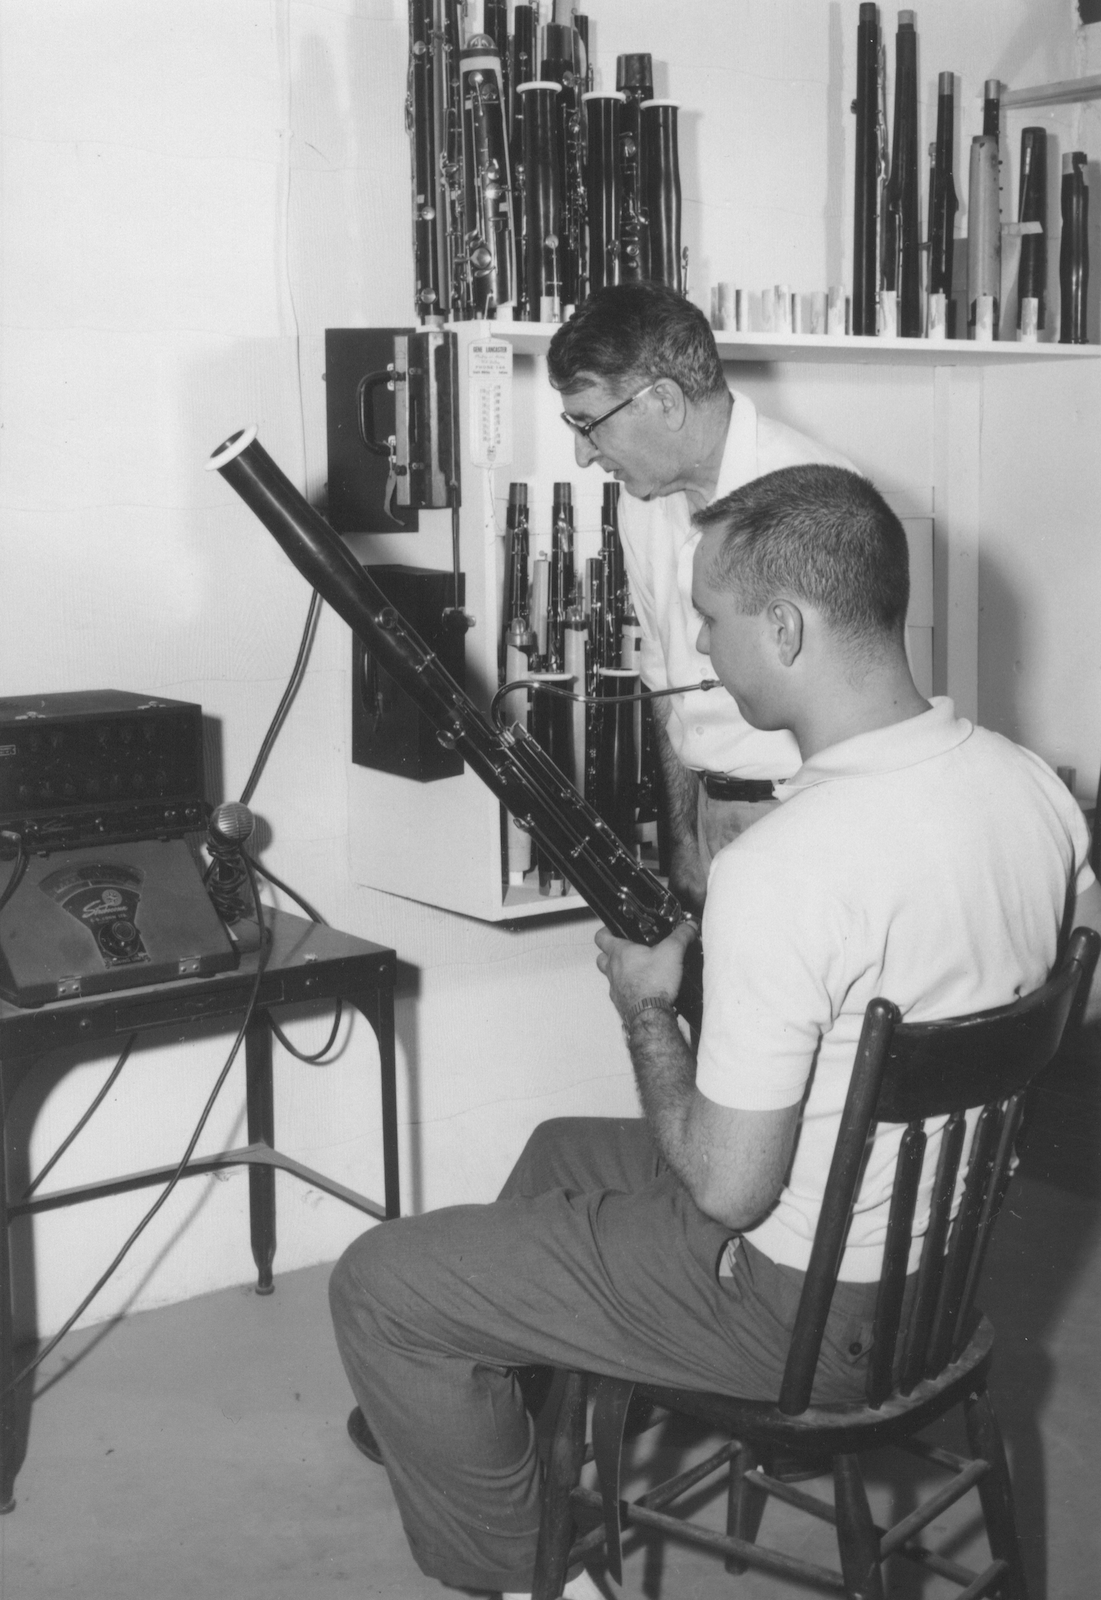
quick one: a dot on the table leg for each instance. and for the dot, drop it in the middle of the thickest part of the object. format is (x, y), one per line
(8, 1441)
(261, 1130)
(377, 1005)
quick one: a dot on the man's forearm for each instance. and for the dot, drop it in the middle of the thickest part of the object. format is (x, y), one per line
(731, 1162)
(681, 783)
(665, 1072)
(687, 878)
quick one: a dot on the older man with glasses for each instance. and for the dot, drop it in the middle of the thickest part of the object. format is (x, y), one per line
(646, 399)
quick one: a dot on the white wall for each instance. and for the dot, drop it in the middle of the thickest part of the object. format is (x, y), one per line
(188, 192)
(190, 195)
(1040, 572)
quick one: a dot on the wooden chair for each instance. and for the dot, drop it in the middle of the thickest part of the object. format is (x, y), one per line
(921, 1366)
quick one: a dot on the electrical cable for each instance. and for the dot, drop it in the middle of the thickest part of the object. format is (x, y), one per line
(317, 1058)
(52, 1343)
(588, 699)
(285, 169)
(85, 1119)
(297, 674)
(15, 878)
(265, 872)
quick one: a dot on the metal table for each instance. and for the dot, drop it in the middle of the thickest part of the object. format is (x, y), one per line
(306, 962)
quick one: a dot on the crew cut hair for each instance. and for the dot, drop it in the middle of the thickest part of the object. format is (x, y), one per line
(638, 331)
(819, 534)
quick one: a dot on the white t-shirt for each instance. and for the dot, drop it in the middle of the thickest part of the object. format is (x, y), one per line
(928, 863)
(706, 729)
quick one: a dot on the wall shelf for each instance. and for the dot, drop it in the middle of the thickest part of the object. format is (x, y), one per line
(532, 338)
(1064, 92)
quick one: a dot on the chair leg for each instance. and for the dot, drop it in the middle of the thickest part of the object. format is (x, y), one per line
(745, 1504)
(611, 1402)
(857, 1540)
(996, 1491)
(567, 1453)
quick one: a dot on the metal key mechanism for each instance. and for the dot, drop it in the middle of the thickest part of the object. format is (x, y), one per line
(393, 474)
(392, 420)
(397, 469)
(422, 451)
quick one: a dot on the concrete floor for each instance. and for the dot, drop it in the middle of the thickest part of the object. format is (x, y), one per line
(199, 1451)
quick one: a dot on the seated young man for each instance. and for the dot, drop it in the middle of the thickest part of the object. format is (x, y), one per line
(913, 856)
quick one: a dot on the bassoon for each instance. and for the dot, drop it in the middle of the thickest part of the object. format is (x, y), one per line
(433, 36)
(521, 70)
(1032, 208)
(901, 226)
(604, 134)
(942, 192)
(487, 253)
(563, 62)
(562, 573)
(584, 850)
(661, 176)
(544, 221)
(984, 239)
(984, 232)
(634, 79)
(1074, 249)
(865, 209)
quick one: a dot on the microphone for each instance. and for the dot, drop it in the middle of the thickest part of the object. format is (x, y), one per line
(230, 827)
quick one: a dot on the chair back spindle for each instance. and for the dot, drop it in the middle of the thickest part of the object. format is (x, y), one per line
(896, 1254)
(880, 1021)
(931, 1264)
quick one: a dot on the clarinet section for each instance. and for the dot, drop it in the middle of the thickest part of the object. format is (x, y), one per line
(530, 187)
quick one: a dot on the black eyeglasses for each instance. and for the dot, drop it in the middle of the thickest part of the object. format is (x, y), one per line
(584, 430)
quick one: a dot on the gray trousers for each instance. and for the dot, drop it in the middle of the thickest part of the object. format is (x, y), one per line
(594, 1256)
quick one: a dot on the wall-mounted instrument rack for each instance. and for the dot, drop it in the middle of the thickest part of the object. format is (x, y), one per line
(441, 843)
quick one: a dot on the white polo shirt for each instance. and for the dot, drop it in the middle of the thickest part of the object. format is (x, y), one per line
(706, 729)
(928, 863)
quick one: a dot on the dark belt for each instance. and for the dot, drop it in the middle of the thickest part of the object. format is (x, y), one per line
(721, 787)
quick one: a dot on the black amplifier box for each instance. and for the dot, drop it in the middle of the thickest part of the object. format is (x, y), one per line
(389, 731)
(98, 766)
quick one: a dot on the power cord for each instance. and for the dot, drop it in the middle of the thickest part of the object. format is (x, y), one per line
(318, 1056)
(15, 877)
(297, 674)
(85, 1119)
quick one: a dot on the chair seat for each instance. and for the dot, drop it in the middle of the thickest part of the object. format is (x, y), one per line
(835, 1428)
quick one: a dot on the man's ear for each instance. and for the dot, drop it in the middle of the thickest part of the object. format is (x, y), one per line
(673, 404)
(785, 623)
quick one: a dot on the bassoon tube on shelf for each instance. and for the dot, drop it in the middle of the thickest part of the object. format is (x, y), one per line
(1032, 214)
(865, 264)
(942, 209)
